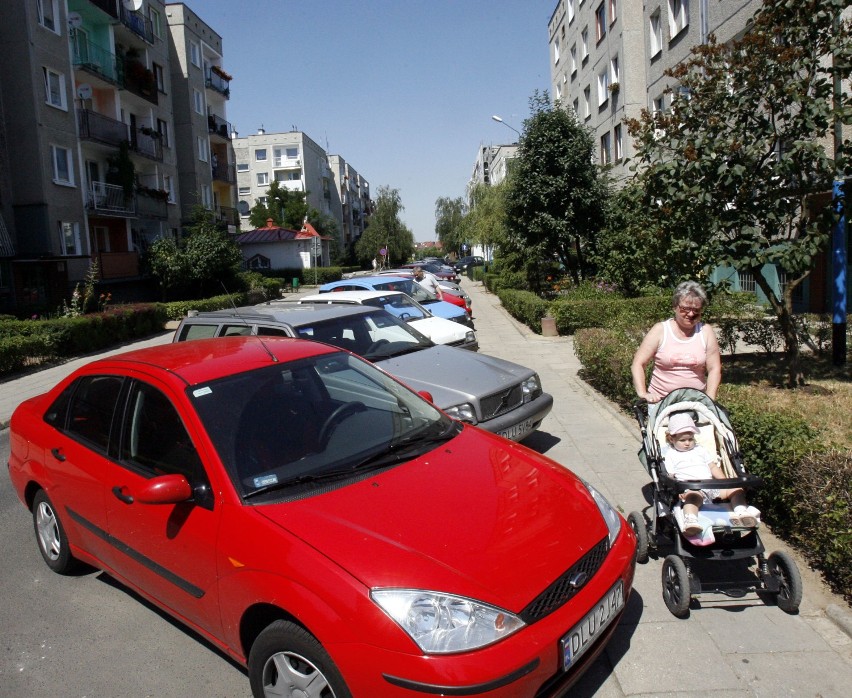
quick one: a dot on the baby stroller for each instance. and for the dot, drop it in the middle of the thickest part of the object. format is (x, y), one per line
(721, 541)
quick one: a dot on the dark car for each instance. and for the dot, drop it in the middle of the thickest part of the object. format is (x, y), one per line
(464, 263)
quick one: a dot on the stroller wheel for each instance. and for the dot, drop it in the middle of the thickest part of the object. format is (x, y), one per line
(782, 567)
(637, 523)
(676, 593)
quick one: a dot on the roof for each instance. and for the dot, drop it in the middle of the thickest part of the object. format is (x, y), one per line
(290, 314)
(273, 233)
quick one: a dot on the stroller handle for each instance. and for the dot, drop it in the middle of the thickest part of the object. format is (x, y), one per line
(749, 482)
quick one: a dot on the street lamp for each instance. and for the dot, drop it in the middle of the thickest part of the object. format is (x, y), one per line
(500, 119)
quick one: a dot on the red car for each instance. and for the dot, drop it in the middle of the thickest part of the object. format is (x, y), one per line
(321, 523)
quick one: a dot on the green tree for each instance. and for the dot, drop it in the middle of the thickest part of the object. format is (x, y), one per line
(449, 221)
(286, 208)
(386, 230)
(555, 198)
(485, 223)
(732, 169)
(168, 264)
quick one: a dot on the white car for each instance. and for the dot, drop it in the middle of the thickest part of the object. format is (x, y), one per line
(439, 330)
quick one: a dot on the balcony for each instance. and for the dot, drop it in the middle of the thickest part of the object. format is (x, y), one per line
(228, 216)
(136, 78)
(100, 128)
(223, 172)
(93, 59)
(218, 126)
(109, 200)
(108, 6)
(152, 204)
(147, 143)
(118, 265)
(137, 23)
(217, 82)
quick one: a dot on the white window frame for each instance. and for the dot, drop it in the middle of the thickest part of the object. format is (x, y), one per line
(197, 101)
(168, 185)
(556, 50)
(584, 41)
(576, 107)
(54, 84)
(678, 17)
(278, 157)
(262, 179)
(69, 233)
(242, 167)
(163, 130)
(614, 70)
(571, 10)
(206, 196)
(67, 158)
(603, 87)
(600, 21)
(261, 154)
(559, 92)
(50, 19)
(587, 98)
(606, 149)
(195, 53)
(573, 59)
(612, 11)
(655, 30)
(203, 148)
(619, 144)
(244, 191)
(156, 22)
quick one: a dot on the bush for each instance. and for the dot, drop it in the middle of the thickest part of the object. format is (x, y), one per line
(524, 306)
(606, 355)
(324, 275)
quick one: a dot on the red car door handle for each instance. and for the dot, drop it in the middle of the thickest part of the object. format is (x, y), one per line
(57, 453)
(119, 493)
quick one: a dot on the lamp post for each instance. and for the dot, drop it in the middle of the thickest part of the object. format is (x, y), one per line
(500, 120)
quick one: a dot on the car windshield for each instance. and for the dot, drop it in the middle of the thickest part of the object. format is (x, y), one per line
(375, 335)
(400, 305)
(409, 287)
(296, 428)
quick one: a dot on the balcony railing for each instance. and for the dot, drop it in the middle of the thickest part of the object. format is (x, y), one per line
(151, 207)
(228, 215)
(110, 200)
(218, 83)
(224, 172)
(148, 144)
(118, 265)
(108, 6)
(101, 128)
(93, 58)
(137, 23)
(218, 126)
(138, 79)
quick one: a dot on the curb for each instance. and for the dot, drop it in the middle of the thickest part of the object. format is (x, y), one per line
(841, 617)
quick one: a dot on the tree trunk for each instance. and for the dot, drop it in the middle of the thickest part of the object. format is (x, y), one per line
(784, 312)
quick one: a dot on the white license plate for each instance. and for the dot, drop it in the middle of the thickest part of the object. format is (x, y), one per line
(582, 635)
(518, 430)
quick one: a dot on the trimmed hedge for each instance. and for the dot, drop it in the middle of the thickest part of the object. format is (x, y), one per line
(324, 275)
(524, 306)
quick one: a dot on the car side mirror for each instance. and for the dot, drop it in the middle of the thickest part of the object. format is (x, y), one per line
(165, 489)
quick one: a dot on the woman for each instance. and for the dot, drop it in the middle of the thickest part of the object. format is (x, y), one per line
(684, 350)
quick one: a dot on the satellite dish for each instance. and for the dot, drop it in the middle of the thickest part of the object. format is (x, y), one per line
(75, 20)
(133, 5)
(84, 91)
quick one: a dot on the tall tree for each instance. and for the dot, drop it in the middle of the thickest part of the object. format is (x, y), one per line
(449, 219)
(485, 223)
(732, 169)
(386, 230)
(555, 198)
(286, 208)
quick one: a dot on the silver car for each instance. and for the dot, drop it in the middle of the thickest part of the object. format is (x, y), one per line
(497, 395)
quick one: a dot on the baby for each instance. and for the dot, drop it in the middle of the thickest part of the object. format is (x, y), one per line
(685, 460)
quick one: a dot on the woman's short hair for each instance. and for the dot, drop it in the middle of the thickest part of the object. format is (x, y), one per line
(689, 289)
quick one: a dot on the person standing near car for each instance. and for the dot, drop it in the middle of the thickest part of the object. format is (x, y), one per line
(684, 350)
(429, 282)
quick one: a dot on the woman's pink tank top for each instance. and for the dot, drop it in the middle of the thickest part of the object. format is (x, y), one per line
(679, 363)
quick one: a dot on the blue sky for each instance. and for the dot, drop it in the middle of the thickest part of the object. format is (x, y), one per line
(403, 90)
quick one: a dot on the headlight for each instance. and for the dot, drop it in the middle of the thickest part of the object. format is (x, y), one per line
(444, 623)
(531, 387)
(464, 412)
(469, 337)
(610, 515)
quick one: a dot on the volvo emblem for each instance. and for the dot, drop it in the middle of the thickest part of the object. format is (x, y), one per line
(578, 580)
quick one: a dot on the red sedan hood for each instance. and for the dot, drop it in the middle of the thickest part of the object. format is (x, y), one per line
(478, 516)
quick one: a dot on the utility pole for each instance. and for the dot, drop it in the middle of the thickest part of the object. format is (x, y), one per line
(838, 238)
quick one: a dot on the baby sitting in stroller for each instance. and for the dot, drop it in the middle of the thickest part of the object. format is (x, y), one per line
(686, 460)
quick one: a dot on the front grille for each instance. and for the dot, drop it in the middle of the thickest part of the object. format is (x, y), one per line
(563, 590)
(501, 402)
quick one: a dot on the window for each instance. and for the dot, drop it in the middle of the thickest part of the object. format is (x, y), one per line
(573, 59)
(48, 14)
(277, 157)
(576, 105)
(678, 17)
(159, 77)
(203, 148)
(262, 179)
(63, 171)
(747, 282)
(614, 72)
(613, 11)
(206, 196)
(656, 31)
(86, 409)
(571, 10)
(195, 54)
(156, 22)
(584, 40)
(260, 155)
(292, 153)
(603, 87)
(163, 130)
(69, 238)
(168, 185)
(244, 191)
(606, 155)
(559, 92)
(619, 152)
(556, 50)
(198, 102)
(242, 167)
(658, 105)
(600, 22)
(587, 93)
(54, 88)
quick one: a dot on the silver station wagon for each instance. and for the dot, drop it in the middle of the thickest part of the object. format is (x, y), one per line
(499, 396)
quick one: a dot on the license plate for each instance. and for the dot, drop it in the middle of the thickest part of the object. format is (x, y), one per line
(518, 430)
(583, 635)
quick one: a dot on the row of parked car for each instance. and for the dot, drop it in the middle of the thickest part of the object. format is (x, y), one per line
(328, 491)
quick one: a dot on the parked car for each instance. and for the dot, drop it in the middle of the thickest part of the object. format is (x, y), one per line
(453, 292)
(497, 395)
(452, 308)
(438, 329)
(464, 263)
(320, 523)
(441, 271)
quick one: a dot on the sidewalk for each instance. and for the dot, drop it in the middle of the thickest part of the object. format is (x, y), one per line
(728, 647)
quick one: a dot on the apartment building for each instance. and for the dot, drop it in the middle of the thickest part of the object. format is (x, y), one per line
(298, 163)
(87, 118)
(608, 59)
(492, 162)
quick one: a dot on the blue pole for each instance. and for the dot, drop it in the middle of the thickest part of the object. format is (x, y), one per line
(838, 320)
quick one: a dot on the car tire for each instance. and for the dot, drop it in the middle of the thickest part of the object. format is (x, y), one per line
(640, 528)
(286, 647)
(50, 536)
